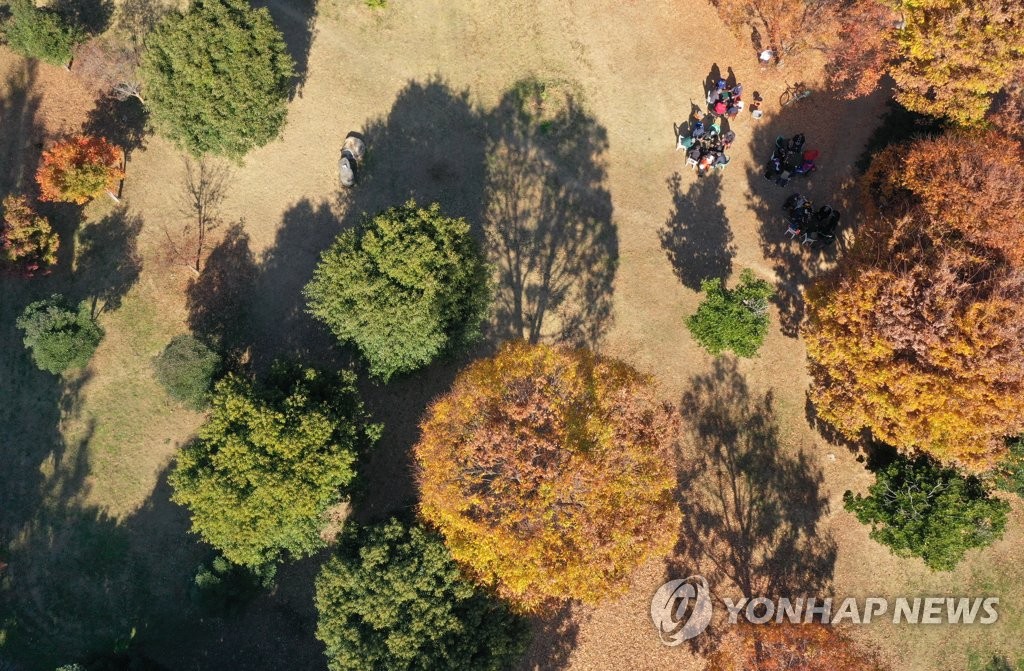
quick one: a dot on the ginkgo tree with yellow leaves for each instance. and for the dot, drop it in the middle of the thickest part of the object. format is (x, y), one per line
(550, 473)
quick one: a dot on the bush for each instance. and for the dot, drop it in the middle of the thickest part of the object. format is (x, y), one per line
(550, 473)
(270, 461)
(185, 368)
(217, 78)
(404, 287)
(394, 599)
(734, 319)
(921, 509)
(40, 33)
(59, 337)
(221, 587)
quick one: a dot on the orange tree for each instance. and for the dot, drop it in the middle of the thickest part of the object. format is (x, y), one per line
(919, 336)
(25, 236)
(550, 473)
(78, 169)
(790, 647)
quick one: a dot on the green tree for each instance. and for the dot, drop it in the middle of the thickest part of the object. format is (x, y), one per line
(921, 509)
(1009, 472)
(185, 368)
(732, 319)
(404, 287)
(270, 461)
(60, 338)
(40, 33)
(217, 78)
(394, 599)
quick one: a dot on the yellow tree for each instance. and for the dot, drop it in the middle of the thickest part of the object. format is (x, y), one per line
(953, 56)
(919, 337)
(550, 473)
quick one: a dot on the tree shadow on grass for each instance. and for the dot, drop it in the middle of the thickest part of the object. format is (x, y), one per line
(283, 328)
(296, 19)
(91, 16)
(107, 263)
(696, 236)
(548, 217)
(124, 122)
(552, 641)
(218, 300)
(21, 132)
(753, 507)
(838, 130)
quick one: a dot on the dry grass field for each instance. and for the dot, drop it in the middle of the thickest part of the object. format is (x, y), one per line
(618, 235)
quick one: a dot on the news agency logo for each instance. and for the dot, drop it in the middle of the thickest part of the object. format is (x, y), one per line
(681, 609)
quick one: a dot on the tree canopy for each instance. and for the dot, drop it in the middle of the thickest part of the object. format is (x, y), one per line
(60, 338)
(732, 319)
(550, 473)
(921, 509)
(78, 169)
(269, 462)
(404, 287)
(919, 337)
(26, 237)
(393, 598)
(40, 32)
(953, 56)
(217, 78)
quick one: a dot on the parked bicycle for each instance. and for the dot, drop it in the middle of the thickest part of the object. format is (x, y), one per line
(794, 93)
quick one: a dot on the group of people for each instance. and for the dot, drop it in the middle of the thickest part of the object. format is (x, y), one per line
(790, 158)
(706, 144)
(818, 227)
(726, 101)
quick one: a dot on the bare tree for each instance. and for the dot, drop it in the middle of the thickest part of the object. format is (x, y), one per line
(206, 185)
(109, 66)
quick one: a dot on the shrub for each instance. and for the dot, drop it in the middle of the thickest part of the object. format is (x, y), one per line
(40, 33)
(550, 473)
(25, 236)
(185, 368)
(217, 78)
(394, 599)
(919, 508)
(270, 461)
(404, 287)
(734, 319)
(59, 337)
(79, 169)
(221, 587)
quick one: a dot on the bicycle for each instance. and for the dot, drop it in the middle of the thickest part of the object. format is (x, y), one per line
(793, 93)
